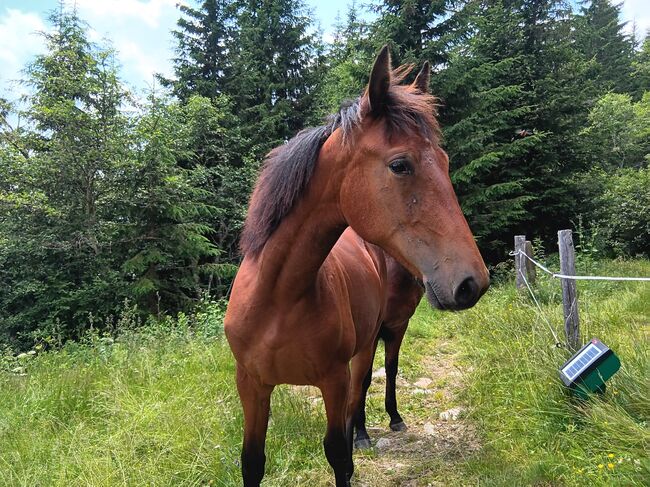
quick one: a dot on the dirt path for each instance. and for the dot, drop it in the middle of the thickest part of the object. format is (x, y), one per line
(439, 434)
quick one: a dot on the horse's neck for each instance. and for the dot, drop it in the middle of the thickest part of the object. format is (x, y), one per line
(293, 255)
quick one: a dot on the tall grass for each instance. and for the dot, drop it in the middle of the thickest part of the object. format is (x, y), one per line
(158, 405)
(536, 433)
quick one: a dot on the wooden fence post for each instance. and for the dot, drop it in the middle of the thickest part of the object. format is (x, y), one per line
(531, 270)
(569, 289)
(520, 261)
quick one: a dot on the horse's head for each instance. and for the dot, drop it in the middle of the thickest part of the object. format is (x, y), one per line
(397, 193)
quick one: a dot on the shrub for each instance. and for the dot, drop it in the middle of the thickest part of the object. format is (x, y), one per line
(622, 212)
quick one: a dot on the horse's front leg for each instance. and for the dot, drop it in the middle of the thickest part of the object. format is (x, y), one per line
(335, 396)
(392, 345)
(256, 402)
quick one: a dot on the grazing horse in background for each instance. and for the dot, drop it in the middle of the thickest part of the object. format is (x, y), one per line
(310, 296)
(404, 294)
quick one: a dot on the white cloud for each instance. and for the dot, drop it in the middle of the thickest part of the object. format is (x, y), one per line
(139, 30)
(637, 14)
(19, 43)
(138, 64)
(149, 12)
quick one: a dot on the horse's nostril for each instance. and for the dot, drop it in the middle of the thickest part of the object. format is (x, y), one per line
(466, 294)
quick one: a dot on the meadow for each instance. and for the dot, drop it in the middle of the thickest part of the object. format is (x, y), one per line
(157, 404)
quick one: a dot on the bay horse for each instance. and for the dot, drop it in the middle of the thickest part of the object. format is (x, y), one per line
(309, 296)
(403, 297)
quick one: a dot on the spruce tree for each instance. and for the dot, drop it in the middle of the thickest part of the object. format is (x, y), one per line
(166, 247)
(641, 70)
(94, 207)
(211, 131)
(57, 266)
(486, 121)
(275, 70)
(348, 63)
(204, 38)
(603, 42)
(414, 29)
(515, 94)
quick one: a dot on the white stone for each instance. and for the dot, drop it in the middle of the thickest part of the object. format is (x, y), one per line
(423, 382)
(379, 373)
(429, 429)
(451, 414)
(382, 443)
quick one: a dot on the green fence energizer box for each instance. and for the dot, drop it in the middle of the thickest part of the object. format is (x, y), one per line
(589, 368)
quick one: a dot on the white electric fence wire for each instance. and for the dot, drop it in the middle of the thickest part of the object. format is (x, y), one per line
(558, 343)
(591, 278)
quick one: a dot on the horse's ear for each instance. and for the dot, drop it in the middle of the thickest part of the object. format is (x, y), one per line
(422, 79)
(379, 81)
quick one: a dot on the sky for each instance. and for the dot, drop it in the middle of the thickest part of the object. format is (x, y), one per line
(140, 32)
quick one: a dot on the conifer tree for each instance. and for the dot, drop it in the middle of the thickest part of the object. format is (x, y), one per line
(348, 62)
(211, 131)
(94, 209)
(603, 42)
(275, 68)
(204, 38)
(641, 70)
(56, 267)
(413, 28)
(514, 97)
(486, 121)
(166, 247)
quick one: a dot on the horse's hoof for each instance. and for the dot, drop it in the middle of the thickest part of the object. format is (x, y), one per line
(401, 426)
(362, 444)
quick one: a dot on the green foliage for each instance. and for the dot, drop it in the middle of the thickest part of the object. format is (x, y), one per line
(413, 29)
(103, 198)
(621, 215)
(349, 60)
(486, 118)
(94, 207)
(641, 69)
(618, 134)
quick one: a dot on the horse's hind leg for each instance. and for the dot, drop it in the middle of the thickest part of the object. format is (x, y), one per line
(362, 440)
(256, 402)
(335, 396)
(392, 344)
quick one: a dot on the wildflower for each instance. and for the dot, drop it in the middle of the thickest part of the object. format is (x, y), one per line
(610, 466)
(601, 466)
(611, 455)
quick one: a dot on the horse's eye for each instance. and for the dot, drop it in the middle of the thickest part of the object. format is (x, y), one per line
(401, 167)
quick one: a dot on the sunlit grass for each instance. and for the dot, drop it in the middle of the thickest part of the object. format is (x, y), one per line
(159, 407)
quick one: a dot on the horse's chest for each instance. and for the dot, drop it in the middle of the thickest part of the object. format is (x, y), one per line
(295, 350)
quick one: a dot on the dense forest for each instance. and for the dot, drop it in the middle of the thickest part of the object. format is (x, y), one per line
(112, 202)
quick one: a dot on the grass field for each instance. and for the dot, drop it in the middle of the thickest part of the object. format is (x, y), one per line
(158, 406)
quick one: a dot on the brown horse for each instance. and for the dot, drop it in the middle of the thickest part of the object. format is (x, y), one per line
(404, 294)
(310, 296)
